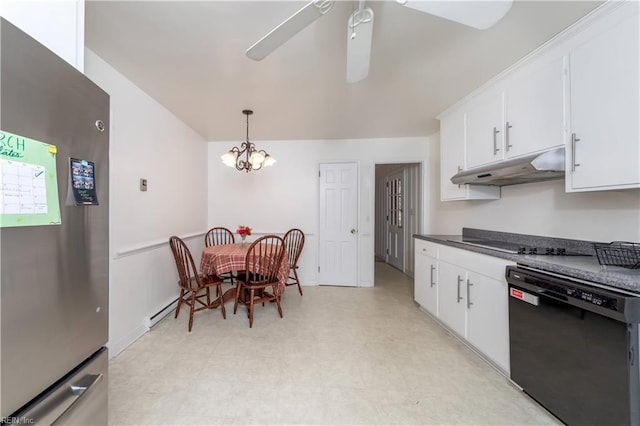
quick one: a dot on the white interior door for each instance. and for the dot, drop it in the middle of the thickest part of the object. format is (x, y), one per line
(395, 220)
(338, 224)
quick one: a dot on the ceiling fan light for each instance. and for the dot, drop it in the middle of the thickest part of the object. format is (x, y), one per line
(229, 158)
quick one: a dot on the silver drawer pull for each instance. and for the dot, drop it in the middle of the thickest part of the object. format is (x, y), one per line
(433, 268)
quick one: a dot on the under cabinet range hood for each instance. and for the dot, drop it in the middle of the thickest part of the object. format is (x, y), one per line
(532, 168)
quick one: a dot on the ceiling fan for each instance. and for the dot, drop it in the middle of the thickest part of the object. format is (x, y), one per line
(474, 13)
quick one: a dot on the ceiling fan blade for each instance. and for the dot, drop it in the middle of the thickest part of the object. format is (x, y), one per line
(359, 47)
(290, 27)
(476, 14)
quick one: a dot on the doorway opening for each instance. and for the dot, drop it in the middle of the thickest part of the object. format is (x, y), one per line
(398, 213)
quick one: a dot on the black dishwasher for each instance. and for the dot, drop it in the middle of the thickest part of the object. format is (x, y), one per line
(574, 347)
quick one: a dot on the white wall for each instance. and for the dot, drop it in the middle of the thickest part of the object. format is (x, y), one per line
(541, 208)
(286, 195)
(147, 141)
(59, 25)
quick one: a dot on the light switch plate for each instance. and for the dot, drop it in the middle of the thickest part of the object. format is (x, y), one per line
(143, 185)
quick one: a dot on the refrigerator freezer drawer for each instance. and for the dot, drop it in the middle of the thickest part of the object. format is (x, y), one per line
(79, 399)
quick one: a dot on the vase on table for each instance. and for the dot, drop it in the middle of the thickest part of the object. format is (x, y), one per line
(243, 237)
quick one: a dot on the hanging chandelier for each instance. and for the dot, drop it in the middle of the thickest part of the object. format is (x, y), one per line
(247, 157)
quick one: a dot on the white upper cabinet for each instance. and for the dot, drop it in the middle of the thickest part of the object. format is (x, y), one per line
(452, 160)
(522, 114)
(451, 156)
(534, 108)
(579, 91)
(59, 25)
(603, 150)
(485, 122)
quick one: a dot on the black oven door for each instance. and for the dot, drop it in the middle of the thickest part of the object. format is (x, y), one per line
(573, 361)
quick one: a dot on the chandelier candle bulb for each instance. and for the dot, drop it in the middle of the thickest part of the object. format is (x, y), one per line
(247, 157)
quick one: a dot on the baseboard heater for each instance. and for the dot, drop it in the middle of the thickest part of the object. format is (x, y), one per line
(155, 318)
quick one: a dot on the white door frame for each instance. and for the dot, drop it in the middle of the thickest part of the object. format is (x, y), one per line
(358, 224)
(424, 201)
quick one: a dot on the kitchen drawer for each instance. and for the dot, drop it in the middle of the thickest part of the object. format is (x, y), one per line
(489, 266)
(427, 248)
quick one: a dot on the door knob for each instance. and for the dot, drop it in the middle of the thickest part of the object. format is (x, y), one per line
(353, 231)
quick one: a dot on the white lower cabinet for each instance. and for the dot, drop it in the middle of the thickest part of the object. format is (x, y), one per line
(468, 293)
(426, 276)
(488, 317)
(450, 298)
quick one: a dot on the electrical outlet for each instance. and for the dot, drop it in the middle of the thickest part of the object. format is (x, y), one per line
(143, 185)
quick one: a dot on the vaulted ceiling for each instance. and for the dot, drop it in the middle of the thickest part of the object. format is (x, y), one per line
(190, 57)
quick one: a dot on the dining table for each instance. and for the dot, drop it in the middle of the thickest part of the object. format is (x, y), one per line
(222, 258)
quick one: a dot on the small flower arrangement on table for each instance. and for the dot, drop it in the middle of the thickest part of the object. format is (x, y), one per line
(243, 231)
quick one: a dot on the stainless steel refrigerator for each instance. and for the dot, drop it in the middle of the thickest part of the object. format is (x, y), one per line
(54, 278)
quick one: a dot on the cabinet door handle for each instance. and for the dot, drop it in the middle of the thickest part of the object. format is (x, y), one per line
(495, 140)
(459, 282)
(506, 135)
(433, 268)
(574, 139)
(469, 303)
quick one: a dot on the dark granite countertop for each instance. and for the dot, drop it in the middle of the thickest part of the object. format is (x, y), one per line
(585, 268)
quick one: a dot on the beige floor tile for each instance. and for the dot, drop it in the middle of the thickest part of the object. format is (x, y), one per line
(340, 356)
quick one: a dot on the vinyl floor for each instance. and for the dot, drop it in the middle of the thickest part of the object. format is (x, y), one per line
(340, 356)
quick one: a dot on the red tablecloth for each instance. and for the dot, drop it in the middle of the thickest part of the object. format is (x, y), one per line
(217, 260)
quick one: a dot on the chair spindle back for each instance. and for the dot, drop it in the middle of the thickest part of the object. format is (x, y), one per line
(218, 235)
(264, 258)
(187, 272)
(294, 242)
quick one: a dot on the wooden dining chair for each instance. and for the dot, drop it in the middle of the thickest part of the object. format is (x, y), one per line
(294, 242)
(217, 236)
(191, 282)
(263, 261)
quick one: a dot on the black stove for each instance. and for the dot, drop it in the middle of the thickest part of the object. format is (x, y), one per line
(548, 251)
(515, 248)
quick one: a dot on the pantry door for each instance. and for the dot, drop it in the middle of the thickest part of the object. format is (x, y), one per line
(395, 220)
(338, 251)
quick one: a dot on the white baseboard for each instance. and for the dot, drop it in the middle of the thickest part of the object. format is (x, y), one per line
(152, 320)
(121, 344)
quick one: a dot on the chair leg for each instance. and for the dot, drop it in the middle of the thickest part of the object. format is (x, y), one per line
(208, 298)
(193, 305)
(251, 308)
(221, 299)
(235, 305)
(279, 307)
(295, 273)
(179, 302)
